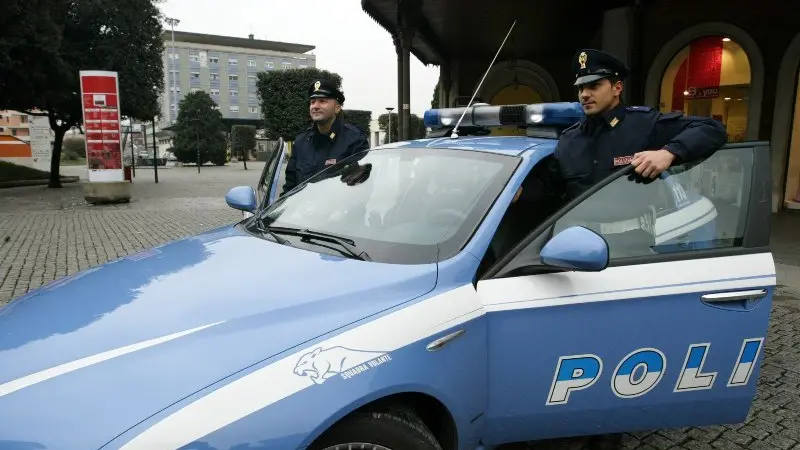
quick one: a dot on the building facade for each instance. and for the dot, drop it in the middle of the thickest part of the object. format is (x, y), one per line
(226, 68)
(15, 123)
(732, 60)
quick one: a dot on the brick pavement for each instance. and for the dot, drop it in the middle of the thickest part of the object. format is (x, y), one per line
(52, 233)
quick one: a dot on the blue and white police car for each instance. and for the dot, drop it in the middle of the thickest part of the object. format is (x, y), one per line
(413, 297)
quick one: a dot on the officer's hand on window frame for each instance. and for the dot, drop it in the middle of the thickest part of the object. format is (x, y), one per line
(651, 163)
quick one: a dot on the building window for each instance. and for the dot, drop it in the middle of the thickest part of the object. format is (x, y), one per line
(195, 89)
(234, 92)
(214, 76)
(213, 59)
(251, 79)
(251, 62)
(214, 91)
(302, 66)
(174, 56)
(194, 76)
(194, 57)
(233, 61)
(175, 89)
(710, 77)
(269, 65)
(233, 77)
(286, 65)
(234, 108)
(253, 109)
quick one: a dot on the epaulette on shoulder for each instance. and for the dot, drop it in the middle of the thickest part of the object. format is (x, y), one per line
(639, 108)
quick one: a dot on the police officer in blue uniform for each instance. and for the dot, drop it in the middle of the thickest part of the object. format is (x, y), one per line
(327, 141)
(613, 135)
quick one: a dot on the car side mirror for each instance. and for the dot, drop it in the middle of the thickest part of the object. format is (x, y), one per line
(242, 198)
(576, 248)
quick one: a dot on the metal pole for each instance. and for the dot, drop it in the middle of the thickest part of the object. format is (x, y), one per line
(172, 22)
(197, 131)
(133, 155)
(155, 151)
(174, 78)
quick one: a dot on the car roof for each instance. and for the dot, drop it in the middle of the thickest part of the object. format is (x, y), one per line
(507, 145)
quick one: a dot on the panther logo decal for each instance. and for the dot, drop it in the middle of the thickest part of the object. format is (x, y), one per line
(322, 364)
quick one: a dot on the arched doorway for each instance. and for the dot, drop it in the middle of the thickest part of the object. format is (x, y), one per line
(513, 95)
(710, 77)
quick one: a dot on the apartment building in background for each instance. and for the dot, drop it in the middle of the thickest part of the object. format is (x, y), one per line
(15, 123)
(226, 68)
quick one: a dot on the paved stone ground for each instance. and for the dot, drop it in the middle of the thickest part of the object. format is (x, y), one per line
(46, 234)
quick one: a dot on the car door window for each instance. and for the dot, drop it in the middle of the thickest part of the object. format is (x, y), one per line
(690, 207)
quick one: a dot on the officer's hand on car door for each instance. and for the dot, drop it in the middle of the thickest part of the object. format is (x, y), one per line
(651, 163)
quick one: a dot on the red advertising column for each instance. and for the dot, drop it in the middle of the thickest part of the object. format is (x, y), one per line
(101, 119)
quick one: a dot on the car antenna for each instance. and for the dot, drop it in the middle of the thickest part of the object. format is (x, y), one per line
(454, 134)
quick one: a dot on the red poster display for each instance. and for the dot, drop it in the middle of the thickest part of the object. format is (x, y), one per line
(101, 119)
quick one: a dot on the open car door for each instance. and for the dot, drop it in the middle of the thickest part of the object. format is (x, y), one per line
(271, 182)
(599, 325)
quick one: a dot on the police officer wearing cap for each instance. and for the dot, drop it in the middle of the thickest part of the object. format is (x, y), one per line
(327, 141)
(613, 135)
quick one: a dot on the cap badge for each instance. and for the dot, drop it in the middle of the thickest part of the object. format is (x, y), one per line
(317, 85)
(582, 59)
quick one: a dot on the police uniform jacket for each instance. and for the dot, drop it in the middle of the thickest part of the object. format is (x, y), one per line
(595, 147)
(313, 151)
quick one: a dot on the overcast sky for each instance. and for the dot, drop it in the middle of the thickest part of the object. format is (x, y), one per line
(347, 42)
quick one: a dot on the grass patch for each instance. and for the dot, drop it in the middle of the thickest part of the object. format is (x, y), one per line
(15, 172)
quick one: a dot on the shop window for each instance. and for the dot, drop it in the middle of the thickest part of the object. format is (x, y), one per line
(792, 194)
(710, 77)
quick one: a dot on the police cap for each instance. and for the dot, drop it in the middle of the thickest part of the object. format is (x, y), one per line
(591, 65)
(325, 89)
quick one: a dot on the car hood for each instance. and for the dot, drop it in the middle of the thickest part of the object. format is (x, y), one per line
(88, 356)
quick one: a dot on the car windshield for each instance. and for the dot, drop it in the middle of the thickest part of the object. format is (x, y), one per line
(399, 205)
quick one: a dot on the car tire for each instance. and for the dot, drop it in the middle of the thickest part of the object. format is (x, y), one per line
(378, 430)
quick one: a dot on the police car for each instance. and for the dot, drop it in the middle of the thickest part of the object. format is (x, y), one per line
(409, 298)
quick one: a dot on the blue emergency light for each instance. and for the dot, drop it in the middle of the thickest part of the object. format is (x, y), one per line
(557, 115)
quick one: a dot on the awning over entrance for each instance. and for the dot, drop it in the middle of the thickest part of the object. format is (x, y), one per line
(462, 36)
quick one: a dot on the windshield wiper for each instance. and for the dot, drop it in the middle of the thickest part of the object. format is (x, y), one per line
(346, 243)
(264, 229)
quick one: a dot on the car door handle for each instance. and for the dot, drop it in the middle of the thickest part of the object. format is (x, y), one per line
(736, 296)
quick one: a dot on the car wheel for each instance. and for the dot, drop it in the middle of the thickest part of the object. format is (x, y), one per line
(378, 430)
